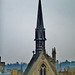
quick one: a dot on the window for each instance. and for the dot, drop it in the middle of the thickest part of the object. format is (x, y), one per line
(43, 70)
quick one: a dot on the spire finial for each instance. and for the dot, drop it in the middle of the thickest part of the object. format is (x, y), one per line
(40, 17)
(33, 52)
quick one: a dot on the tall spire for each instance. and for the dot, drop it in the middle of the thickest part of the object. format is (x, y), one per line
(40, 32)
(40, 16)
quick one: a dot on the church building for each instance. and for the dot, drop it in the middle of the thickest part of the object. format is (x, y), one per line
(41, 63)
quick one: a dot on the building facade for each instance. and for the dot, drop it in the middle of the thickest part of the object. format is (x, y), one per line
(65, 68)
(14, 72)
(2, 66)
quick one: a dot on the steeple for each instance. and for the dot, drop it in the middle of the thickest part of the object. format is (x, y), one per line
(40, 16)
(40, 32)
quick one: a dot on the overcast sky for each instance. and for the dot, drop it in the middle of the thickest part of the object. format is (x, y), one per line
(18, 20)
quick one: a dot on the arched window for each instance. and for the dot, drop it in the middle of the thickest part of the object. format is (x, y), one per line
(43, 70)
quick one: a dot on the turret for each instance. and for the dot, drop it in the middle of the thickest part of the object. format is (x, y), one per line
(54, 54)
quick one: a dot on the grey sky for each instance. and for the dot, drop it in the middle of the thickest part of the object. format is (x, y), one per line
(18, 22)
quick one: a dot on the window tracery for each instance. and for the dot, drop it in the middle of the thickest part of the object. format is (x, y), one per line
(43, 70)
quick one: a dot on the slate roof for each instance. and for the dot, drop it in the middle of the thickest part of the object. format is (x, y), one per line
(2, 63)
(65, 65)
(30, 65)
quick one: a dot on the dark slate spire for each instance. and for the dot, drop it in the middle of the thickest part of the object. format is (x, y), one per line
(40, 17)
(40, 32)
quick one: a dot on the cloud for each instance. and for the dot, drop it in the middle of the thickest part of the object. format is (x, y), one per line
(18, 28)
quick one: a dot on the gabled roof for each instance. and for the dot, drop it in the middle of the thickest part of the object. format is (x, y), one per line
(33, 61)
